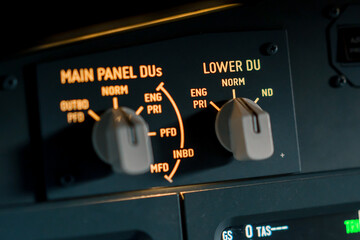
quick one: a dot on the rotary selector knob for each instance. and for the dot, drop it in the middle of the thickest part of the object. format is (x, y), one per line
(121, 139)
(243, 128)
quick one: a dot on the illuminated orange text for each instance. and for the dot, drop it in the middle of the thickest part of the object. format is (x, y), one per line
(199, 104)
(168, 132)
(115, 73)
(198, 92)
(76, 75)
(159, 167)
(114, 90)
(152, 97)
(183, 153)
(222, 67)
(229, 82)
(74, 105)
(150, 71)
(267, 92)
(154, 109)
(231, 66)
(75, 117)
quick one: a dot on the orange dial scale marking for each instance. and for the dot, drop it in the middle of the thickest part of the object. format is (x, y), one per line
(94, 115)
(181, 126)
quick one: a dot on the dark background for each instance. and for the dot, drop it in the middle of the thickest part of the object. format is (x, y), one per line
(29, 23)
(328, 124)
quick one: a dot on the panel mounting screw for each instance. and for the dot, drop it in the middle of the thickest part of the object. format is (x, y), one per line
(67, 180)
(8, 82)
(270, 49)
(338, 81)
(334, 12)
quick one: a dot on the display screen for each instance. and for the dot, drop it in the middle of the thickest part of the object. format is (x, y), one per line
(344, 226)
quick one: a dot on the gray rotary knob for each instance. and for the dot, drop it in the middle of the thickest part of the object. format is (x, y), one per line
(121, 139)
(243, 128)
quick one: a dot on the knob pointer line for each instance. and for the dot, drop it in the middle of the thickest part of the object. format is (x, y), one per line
(93, 115)
(214, 105)
(152, 134)
(181, 125)
(97, 117)
(139, 110)
(234, 93)
(234, 96)
(115, 103)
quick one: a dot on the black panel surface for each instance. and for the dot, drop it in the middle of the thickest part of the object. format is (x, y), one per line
(208, 213)
(327, 118)
(209, 61)
(107, 219)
